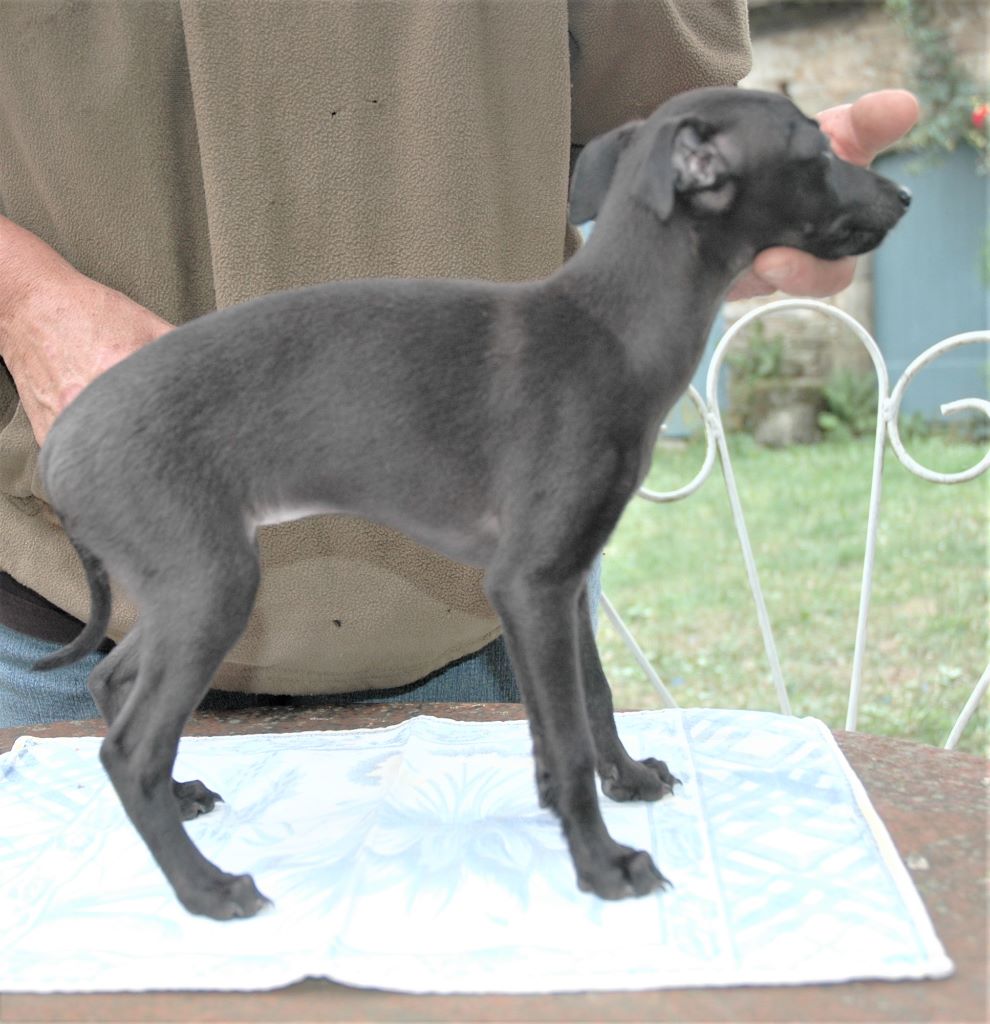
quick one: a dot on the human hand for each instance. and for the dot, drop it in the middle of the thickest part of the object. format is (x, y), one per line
(858, 132)
(58, 328)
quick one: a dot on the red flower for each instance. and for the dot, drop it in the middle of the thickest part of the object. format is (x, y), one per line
(980, 114)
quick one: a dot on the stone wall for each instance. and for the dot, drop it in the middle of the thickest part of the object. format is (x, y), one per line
(824, 53)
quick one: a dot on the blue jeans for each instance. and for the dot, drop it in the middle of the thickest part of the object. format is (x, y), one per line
(28, 697)
(31, 698)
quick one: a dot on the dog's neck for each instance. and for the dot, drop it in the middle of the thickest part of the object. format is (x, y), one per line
(656, 286)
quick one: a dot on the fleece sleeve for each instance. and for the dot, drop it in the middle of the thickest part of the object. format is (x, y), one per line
(628, 56)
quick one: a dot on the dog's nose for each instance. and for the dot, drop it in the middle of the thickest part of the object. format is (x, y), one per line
(904, 194)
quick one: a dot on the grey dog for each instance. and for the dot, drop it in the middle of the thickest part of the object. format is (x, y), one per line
(504, 425)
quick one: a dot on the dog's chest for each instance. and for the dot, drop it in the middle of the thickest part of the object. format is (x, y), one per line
(273, 515)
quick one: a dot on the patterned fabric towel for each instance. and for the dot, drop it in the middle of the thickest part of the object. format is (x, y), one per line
(416, 858)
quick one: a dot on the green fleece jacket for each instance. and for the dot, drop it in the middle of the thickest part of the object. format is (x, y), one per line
(196, 153)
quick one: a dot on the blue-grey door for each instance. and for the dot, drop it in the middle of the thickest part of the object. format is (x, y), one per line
(931, 278)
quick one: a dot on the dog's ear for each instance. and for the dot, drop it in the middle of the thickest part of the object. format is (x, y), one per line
(593, 172)
(684, 159)
(804, 137)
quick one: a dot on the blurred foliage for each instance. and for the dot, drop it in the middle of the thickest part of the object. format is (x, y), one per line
(954, 105)
(850, 405)
(759, 357)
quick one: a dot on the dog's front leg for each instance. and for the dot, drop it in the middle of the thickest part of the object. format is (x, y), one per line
(541, 630)
(623, 778)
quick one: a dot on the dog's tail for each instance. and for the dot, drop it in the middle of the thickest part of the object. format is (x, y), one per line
(99, 616)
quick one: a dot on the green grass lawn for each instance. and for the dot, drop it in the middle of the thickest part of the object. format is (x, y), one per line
(675, 574)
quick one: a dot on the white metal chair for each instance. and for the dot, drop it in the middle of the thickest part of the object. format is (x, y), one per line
(888, 410)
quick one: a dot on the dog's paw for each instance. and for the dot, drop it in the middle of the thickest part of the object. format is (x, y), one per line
(225, 897)
(626, 873)
(194, 799)
(638, 780)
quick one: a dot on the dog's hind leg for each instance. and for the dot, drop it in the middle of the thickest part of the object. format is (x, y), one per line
(186, 629)
(623, 778)
(539, 613)
(112, 680)
(111, 683)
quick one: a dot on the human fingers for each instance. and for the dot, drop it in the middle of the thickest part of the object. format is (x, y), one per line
(859, 131)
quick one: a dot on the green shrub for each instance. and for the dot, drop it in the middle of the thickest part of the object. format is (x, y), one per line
(850, 406)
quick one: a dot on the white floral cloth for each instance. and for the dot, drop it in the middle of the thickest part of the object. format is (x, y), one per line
(416, 858)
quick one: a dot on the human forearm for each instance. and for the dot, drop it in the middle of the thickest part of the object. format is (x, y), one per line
(24, 260)
(58, 328)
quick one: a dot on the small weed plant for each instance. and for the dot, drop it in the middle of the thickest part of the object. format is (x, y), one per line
(851, 406)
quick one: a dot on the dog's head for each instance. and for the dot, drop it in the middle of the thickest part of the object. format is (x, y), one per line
(746, 158)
